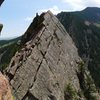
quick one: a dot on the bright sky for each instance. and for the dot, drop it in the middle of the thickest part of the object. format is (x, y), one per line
(16, 15)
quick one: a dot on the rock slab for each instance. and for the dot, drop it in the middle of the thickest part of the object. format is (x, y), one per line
(46, 63)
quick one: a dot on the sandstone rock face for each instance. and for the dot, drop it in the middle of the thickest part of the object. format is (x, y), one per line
(46, 64)
(5, 91)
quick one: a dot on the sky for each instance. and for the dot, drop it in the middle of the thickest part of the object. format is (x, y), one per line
(16, 15)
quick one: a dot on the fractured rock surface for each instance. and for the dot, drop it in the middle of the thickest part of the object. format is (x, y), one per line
(46, 63)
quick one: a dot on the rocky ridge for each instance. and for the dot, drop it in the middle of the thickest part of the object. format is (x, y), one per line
(46, 64)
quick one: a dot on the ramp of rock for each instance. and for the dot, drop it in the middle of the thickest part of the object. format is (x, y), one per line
(46, 64)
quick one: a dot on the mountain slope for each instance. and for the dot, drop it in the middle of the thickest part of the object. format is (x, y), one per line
(8, 49)
(84, 28)
(48, 66)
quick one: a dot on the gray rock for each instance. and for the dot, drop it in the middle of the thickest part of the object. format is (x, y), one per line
(46, 64)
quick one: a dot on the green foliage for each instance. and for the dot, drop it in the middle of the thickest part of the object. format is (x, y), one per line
(8, 50)
(70, 93)
(4, 42)
(86, 82)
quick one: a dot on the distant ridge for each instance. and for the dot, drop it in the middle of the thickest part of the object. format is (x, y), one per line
(9, 38)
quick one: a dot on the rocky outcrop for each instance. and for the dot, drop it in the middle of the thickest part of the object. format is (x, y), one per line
(46, 64)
